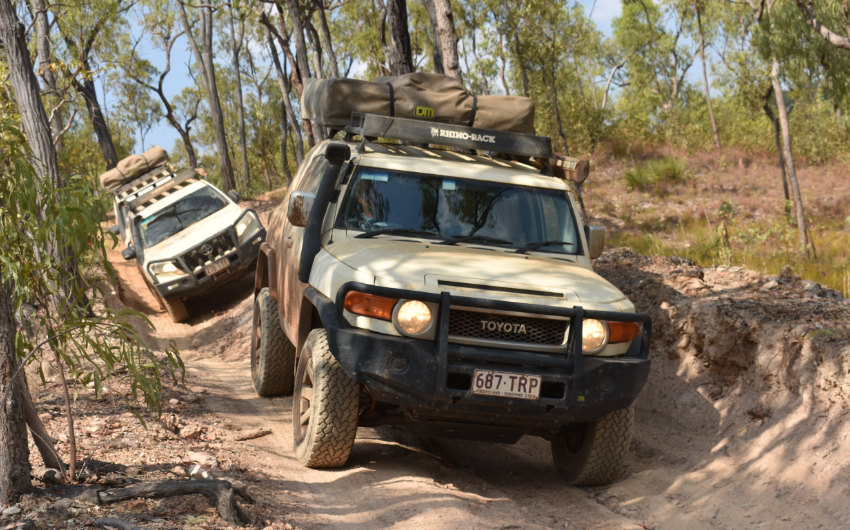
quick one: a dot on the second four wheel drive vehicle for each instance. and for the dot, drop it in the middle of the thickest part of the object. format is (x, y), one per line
(187, 237)
(448, 290)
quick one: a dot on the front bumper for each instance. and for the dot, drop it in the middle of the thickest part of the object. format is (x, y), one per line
(241, 259)
(430, 380)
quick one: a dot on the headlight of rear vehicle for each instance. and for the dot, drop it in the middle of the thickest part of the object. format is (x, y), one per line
(247, 226)
(594, 336)
(165, 271)
(413, 317)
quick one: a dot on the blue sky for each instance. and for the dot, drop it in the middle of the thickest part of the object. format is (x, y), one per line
(601, 12)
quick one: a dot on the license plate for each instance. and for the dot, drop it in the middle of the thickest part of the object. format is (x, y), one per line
(218, 266)
(506, 384)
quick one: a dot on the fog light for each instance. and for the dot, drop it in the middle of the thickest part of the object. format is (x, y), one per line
(594, 336)
(413, 317)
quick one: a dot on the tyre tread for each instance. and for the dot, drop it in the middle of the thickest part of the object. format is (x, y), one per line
(333, 424)
(275, 365)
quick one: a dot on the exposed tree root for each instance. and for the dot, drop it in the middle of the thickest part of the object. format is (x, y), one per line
(221, 493)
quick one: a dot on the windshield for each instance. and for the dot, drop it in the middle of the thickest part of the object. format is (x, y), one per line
(455, 210)
(176, 217)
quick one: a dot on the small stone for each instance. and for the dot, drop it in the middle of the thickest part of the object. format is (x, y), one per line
(180, 471)
(12, 510)
(770, 285)
(197, 471)
(173, 401)
(196, 342)
(191, 432)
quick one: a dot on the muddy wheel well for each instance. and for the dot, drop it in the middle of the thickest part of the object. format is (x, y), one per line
(309, 321)
(261, 278)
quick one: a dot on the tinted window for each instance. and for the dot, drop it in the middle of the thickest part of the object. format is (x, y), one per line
(176, 217)
(446, 208)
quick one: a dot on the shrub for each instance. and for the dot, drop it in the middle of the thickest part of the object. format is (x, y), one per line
(656, 174)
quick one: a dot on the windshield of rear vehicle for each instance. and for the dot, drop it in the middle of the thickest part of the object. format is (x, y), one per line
(456, 210)
(189, 210)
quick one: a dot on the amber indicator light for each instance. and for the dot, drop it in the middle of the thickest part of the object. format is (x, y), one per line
(622, 331)
(370, 305)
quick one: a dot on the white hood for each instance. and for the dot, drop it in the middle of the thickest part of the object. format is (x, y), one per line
(467, 269)
(195, 234)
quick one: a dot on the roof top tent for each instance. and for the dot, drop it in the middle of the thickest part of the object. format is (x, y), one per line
(431, 109)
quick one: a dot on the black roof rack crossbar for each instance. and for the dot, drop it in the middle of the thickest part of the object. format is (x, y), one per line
(424, 132)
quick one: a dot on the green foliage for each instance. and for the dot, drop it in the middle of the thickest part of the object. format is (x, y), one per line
(49, 238)
(656, 174)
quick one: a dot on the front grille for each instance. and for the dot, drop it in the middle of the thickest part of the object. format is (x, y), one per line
(506, 328)
(209, 251)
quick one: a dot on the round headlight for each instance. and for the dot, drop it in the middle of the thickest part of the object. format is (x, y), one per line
(594, 336)
(413, 317)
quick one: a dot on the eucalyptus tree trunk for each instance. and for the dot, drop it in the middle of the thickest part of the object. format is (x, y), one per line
(437, 53)
(397, 49)
(14, 451)
(27, 93)
(204, 59)
(698, 9)
(45, 58)
(448, 38)
(236, 49)
(87, 89)
(799, 213)
(314, 134)
(285, 89)
(777, 135)
(326, 36)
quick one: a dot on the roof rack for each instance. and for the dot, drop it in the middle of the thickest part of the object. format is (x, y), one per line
(423, 132)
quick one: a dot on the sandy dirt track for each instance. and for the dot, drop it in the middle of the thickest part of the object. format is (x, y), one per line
(742, 424)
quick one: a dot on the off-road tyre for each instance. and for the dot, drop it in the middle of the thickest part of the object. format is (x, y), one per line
(176, 309)
(324, 406)
(594, 453)
(272, 355)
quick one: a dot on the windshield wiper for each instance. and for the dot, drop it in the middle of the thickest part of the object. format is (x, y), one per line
(472, 238)
(395, 232)
(538, 244)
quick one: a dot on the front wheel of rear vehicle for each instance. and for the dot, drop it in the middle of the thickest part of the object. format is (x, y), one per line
(594, 453)
(272, 355)
(176, 309)
(324, 406)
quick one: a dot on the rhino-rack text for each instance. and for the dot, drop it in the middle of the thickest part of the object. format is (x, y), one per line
(461, 135)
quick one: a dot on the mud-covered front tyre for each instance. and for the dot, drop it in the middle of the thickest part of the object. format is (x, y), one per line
(272, 355)
(594, 453)
(324, 406)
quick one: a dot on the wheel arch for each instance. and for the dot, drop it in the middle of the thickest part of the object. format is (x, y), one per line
(263, 275)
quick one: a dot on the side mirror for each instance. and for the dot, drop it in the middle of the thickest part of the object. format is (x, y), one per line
(115, 230)
(129, 253)
(234, 195)
(300, 205)
(595, 240)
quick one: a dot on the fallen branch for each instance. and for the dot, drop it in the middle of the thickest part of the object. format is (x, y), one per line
(220, 492)
(114, 522)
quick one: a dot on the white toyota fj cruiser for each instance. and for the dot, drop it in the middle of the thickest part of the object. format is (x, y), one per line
(449, 290)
